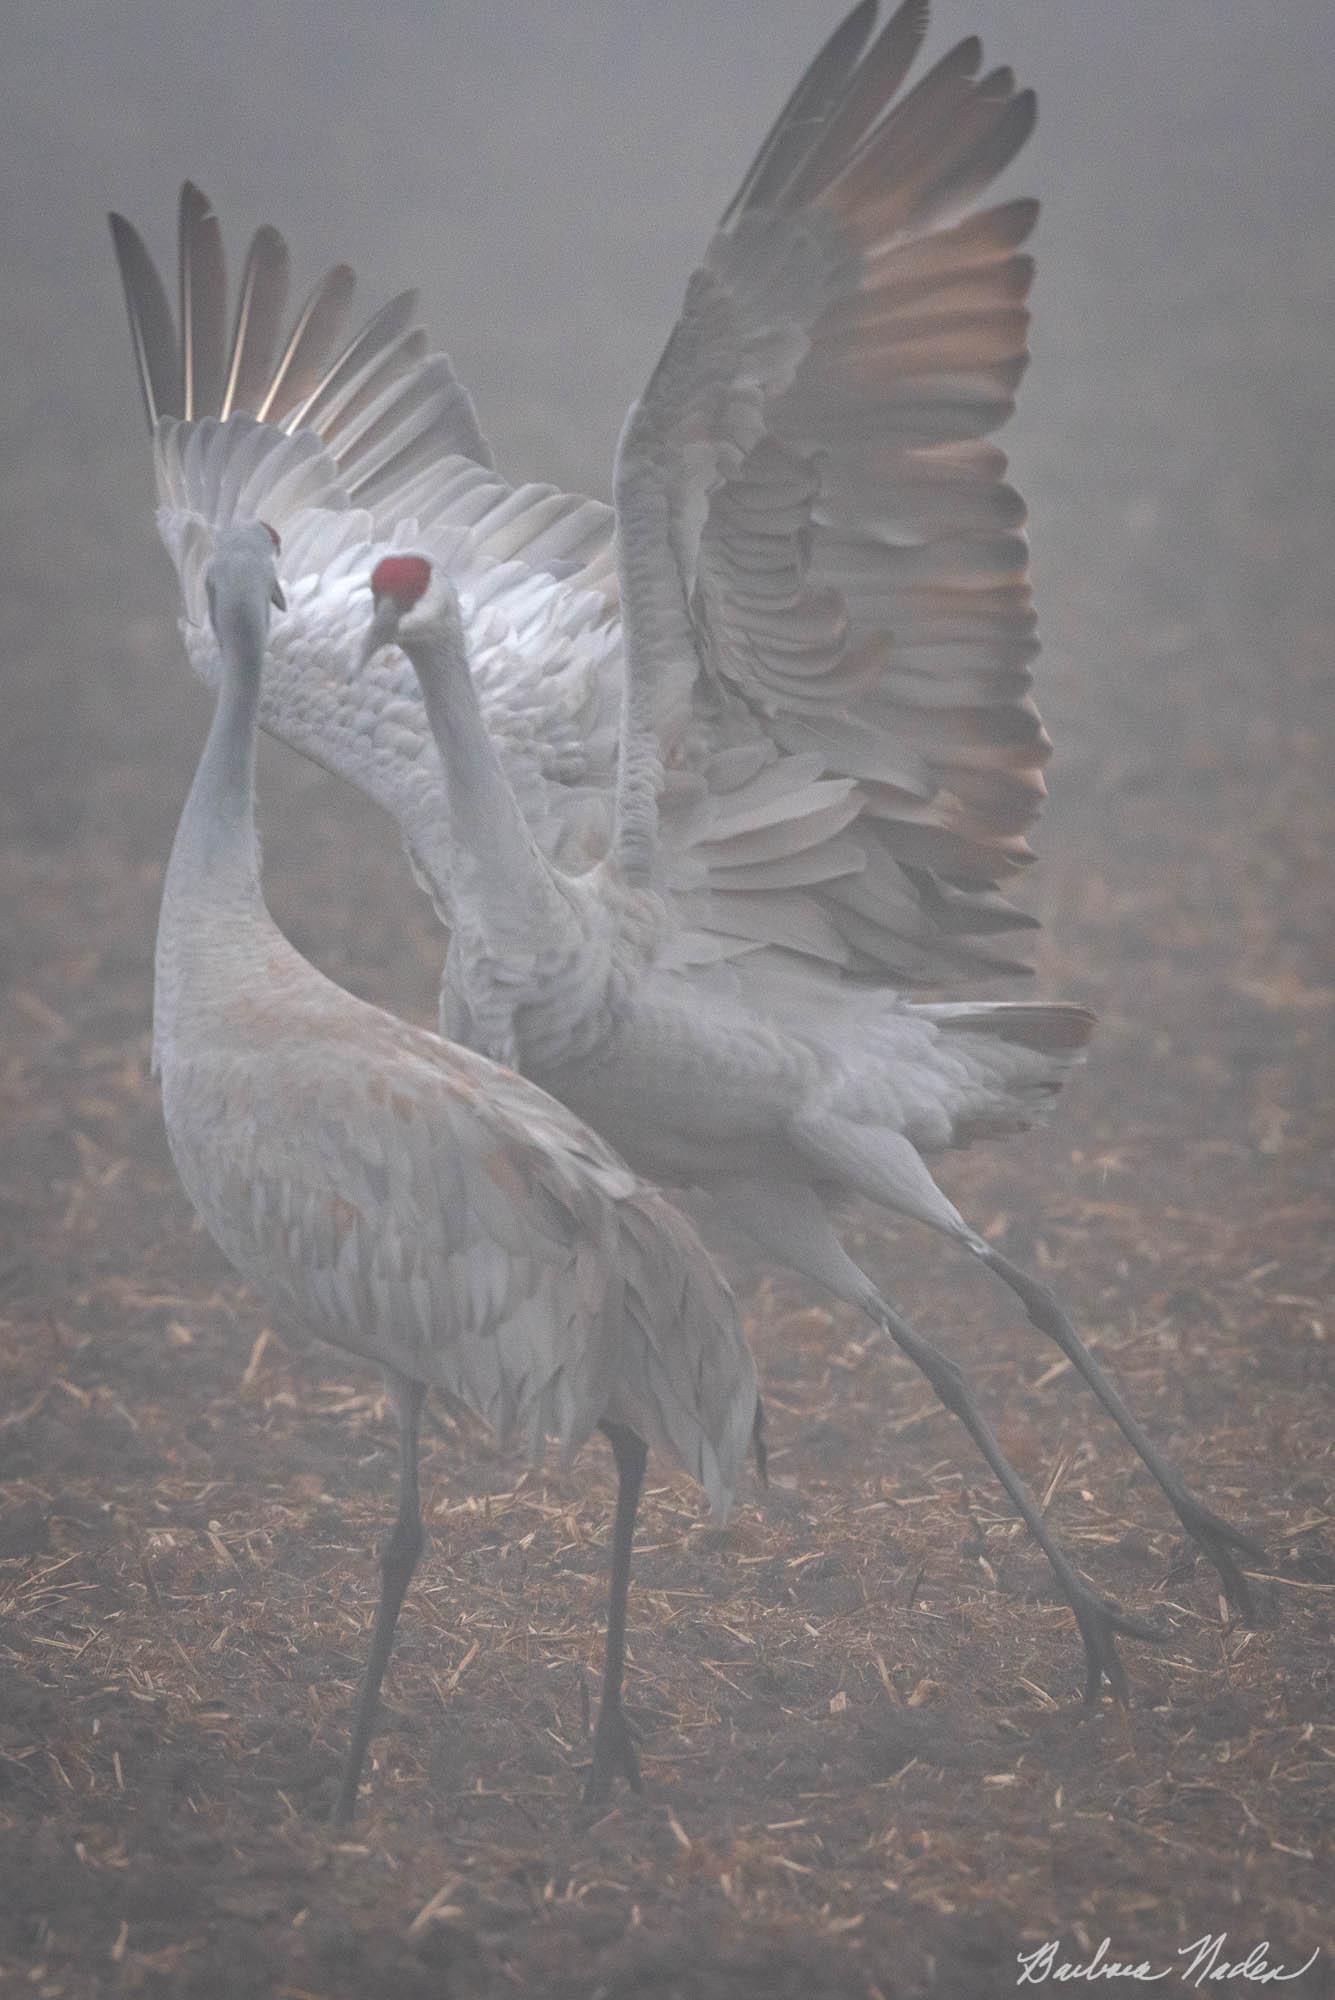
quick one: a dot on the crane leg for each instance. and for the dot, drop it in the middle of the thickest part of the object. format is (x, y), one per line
(885, 1167)
(398, 1559)
(791, 1223)
(613, 1744)
(1099, 1620)
(1216, 1536)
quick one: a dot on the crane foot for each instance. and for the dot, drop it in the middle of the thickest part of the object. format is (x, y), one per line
(1215, 1538)
(1100, 1623)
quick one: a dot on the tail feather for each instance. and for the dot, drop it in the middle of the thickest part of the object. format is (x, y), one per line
(1052, 1027)
(946, 1073)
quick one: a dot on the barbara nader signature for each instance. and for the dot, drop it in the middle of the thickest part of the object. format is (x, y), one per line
(1208, 1961)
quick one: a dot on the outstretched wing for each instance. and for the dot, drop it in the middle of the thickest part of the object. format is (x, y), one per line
(349, 444)
(824, 571)
(374, 401)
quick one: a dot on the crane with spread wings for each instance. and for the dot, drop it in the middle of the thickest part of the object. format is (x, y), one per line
(743, 762)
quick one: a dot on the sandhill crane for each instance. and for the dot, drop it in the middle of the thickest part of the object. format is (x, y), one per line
(764, 743)
(411, 1201)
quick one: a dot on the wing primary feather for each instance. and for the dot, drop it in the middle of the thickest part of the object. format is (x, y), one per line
(203, 276)
(991, 152)
(355, 398)
(872, 85)
(259, 314)
(922, 120)
(357, 360)
(790, 136)
(424, 436)
(393, 413)
(315, 332)
(806, 465)
(156, 356)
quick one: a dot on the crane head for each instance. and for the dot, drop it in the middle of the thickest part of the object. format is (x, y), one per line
(406, 579)
(241, 581)
(412, 597)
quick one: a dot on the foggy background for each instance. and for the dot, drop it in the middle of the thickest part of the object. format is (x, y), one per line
(548, 175)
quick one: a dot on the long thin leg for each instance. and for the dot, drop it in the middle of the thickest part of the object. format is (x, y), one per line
(1215, 1535)
(613, 1746)
(398, 1559)
(790, 1222)
(885, 1167)
(1099, 1621)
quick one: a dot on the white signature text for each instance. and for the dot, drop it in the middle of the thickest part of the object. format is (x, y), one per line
(1207, 1962)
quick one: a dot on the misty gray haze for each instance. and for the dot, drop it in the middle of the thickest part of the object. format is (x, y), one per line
(547, 176)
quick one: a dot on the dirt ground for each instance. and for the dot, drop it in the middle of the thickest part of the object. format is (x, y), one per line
(868, 1774)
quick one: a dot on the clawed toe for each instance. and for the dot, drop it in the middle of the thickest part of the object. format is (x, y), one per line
(1100, 1624)
(614, 1754)
(1216, 1538)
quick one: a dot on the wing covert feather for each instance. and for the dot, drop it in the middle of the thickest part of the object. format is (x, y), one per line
(435, 1213)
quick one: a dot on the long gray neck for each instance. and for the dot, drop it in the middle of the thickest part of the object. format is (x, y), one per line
(505, 892)
(212, 903)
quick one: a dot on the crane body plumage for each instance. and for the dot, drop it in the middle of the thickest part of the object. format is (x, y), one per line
(739, 764)
(406, 1199)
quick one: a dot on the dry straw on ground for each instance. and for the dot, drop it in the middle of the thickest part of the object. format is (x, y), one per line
(867, 1770)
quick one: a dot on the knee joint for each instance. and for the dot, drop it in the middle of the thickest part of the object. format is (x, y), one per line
(947, 1378)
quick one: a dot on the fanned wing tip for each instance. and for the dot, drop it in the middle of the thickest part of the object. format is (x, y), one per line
(316, 329)
(192, 205)
(354, 366)
(152, 333)
(203, 303)
(789, 138)
(860, 579)
(883, 68)
(260, 305)
(386, 410)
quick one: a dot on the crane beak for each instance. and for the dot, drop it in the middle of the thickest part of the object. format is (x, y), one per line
(378, 633)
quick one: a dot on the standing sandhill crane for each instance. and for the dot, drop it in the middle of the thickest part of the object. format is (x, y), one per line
(417, 609)
(764, 747)
(413, 1202)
